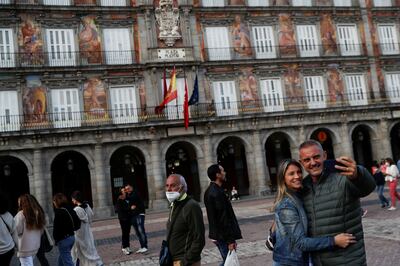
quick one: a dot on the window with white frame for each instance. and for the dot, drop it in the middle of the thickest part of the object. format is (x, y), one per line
(61, 47)
(113, 2)
(258, 2)
(342, 2)
(307, 40)
(218, 43)
(117, 43)
(348, 39)
(225, 98)
(356, 90)
(315, 92)
(9, 114)
(393, 87)
(174, 109)
(57, 2)
(301, 2)
(209, 3)
(7, 55)
(66, 111)
(271, 95)
(2, 2)
(382, 3)
(264, 41)
(124, 106)
(388, 39)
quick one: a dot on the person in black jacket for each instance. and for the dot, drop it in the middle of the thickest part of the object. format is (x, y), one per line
(63, 229)
(223, 227)
(138, 215)
(124, 216)
(380, 184)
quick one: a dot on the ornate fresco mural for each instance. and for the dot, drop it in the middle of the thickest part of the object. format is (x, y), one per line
(95, 99)
(248, 88)
(287, 42)
(241, 38)
(328, 35)
(89, 41)
(335, 85)
(291, 79)
(34, 100)
(30, 41)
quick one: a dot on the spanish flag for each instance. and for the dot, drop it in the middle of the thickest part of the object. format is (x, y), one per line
(171, 93)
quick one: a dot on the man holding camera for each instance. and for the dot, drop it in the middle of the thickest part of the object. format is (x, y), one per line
(331, 198)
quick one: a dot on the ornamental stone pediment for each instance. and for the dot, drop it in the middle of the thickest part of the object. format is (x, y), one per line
(167, 17)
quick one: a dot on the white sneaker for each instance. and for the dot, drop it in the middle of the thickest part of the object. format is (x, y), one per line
(392, 208)
(141, 250)
(126, 251)
(129, 249)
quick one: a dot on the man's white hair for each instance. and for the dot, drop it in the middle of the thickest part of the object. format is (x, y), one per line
(182, 181)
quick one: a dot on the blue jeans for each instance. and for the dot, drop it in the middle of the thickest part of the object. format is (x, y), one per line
(138, 225)
(382, 198)
(64, 248)
(223, 249)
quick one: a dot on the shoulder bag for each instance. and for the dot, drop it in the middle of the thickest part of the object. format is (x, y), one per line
(46, 241)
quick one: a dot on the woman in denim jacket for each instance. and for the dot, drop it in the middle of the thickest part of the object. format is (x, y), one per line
(292, 244)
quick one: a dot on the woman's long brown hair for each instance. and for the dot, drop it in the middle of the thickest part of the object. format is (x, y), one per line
(33, 212)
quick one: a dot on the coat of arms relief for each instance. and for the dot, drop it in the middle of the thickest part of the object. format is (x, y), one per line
(167, 17)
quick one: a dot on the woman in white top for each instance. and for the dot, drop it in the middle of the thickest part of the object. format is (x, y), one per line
(8, 235)
(29, 221)
(391, 174)
(84, 251)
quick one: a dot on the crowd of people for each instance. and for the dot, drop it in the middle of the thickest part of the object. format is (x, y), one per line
(317, 219)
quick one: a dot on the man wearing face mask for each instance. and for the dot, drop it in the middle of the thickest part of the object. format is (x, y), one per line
(224, 228)
(185, 226)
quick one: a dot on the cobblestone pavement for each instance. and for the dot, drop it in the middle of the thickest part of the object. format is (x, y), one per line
(381, 229)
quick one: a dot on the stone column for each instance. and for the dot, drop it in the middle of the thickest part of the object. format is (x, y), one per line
(345, 146)
(261, 176)
(206, 162)
(380, 144)
(38, 186)
(157, 200)
(101, 185)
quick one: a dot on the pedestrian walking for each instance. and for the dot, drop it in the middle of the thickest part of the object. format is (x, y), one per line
(391, 174)
(185, 226)
(29, 222)
(138, 217)
(292, 245)
(124, 212)
(8, 233)
(380, 184)
(84, 251)
(223, 226)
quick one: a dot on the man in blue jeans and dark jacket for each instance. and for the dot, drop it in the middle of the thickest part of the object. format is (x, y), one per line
(223, 227)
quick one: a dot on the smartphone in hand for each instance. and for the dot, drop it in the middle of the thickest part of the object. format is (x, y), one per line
(329, 166)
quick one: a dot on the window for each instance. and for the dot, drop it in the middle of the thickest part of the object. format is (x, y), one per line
(388, 39)
(174, 109)
(113, 2)
(264, 42)
(218, 43)
(301, 2)
(57, 2)
(61, 47)
(124, 107)
(379, 3)
(9, 115)
(348, 40)
(66, 111)
(225, 98)
(6, 48)
(356, 91)
(393, 87)
(342, 2)
(258, 2)
(271, 93)
(117, 45)
(307, 40)
(315, 92)
(213, 2)
(2, 2)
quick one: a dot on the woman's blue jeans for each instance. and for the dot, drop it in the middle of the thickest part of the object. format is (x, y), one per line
(64, 248)
(382, 198)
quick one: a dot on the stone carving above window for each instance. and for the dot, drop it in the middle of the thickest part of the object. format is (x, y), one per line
(167, 17)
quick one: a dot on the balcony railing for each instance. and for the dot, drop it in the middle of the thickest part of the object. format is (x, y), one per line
(268, 105)
(106, 3)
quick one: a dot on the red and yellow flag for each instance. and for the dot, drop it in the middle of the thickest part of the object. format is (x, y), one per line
(171, 94)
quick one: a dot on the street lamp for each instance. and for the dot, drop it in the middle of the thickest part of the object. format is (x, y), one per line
(70, 165)
(7, 170)
(231, 149)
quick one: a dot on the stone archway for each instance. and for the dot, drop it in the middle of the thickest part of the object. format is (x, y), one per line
(181, 158)
(324, 137)
(395, 142)
(128, 166)
(362, 148)
(231, 155)
(277, 148)
(70, 172)
(14, 180)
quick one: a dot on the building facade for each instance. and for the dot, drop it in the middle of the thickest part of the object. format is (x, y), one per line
(80, 80)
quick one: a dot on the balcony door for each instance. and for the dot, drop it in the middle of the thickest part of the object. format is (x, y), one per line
(118, 48)
(66, 111)
(225, 98)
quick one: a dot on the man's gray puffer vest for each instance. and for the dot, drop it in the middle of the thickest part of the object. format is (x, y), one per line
(333, 206)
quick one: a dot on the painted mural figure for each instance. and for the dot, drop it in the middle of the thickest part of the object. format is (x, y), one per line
(281, 2)
(292, 85)
(237, 2)
(95, 101)
(335, 86)
(328, 35)
(241, 38)
(248, 88)
(89, 41)
(287, 43)
(34, 101)
(31, 43)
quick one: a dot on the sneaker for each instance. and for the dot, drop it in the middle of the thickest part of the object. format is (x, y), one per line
(141, 250)
(364, 213)
(126, 251)
(392, 208)
(129, 249)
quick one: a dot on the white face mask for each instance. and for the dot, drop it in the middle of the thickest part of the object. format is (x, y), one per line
(172, 195)
(387, 164)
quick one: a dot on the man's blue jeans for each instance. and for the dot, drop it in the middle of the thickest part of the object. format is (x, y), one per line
(138, 225)
(64, 248)
(223, 249)
(382, 198)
